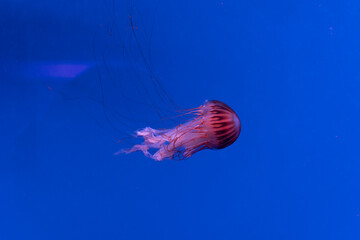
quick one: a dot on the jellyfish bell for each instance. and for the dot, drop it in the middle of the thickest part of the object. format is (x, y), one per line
(214, 126)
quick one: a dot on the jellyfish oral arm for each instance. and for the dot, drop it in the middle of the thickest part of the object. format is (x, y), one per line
(177, 143)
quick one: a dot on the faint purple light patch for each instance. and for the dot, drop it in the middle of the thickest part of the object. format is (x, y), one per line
(56, 70)
(62, 70)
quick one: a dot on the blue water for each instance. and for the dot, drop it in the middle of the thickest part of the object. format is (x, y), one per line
(290, 69)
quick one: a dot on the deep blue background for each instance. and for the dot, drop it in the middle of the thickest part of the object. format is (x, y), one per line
(290, 69)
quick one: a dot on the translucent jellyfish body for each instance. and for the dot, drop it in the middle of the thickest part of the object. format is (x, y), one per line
(214, 126)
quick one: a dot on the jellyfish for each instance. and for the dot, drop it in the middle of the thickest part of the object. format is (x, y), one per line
(214, 125)
(128, 94)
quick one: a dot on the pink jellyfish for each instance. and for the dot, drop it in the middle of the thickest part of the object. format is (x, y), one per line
(215, 126)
